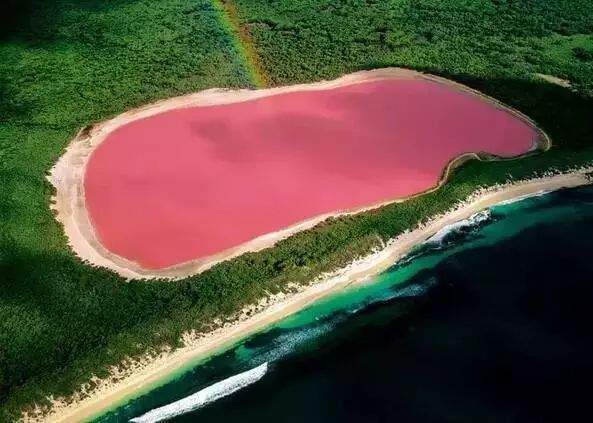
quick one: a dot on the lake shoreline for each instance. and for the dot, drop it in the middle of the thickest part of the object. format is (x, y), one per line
(68, 174)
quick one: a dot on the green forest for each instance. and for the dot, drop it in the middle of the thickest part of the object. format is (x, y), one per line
(68, 63)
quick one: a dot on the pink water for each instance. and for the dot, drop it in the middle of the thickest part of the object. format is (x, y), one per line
(190, 183)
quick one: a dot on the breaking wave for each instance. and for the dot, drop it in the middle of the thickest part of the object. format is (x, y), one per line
(416, 289)
(524, 197)
(205, 396)
(461, 227)
(286, 343)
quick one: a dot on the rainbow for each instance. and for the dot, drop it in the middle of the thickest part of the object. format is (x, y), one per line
(242, 42)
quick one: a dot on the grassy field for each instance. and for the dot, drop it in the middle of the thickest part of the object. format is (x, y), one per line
(65, 64)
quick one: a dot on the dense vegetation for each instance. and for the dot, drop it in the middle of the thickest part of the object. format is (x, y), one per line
(67, 63)
(312, 39)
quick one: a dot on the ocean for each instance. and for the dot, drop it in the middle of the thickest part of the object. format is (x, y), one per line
(488, 321)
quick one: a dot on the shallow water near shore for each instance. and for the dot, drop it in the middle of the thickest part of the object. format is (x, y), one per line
(485, 322)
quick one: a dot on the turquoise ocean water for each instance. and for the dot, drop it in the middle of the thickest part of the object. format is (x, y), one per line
(486, 322)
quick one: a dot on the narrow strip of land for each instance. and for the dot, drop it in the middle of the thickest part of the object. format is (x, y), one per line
(146, 373)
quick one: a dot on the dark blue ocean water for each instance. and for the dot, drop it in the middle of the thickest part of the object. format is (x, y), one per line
(490, 323)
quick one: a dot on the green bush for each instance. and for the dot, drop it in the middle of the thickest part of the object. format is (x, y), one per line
(582, 54)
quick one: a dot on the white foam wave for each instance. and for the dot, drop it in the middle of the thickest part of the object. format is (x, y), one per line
(287, 343)
(473, 220)
(205, 396)
(524, 197)
(415, 290)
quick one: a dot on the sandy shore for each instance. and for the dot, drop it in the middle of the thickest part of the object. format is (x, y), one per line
(141, 375)
(67, 176)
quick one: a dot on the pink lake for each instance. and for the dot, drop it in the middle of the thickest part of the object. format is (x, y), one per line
(190, 183)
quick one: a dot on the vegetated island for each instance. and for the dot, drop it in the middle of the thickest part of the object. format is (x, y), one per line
(155, 367)
(171, 189)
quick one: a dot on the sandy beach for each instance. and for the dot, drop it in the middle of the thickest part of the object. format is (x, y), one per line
(68, 174)
(142, 374)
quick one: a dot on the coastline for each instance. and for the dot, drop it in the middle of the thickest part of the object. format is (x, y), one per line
(145, 373)
(67, 175)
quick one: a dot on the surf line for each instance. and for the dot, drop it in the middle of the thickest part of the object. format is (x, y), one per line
(242, 42)
(475, 220)
(205, 396)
